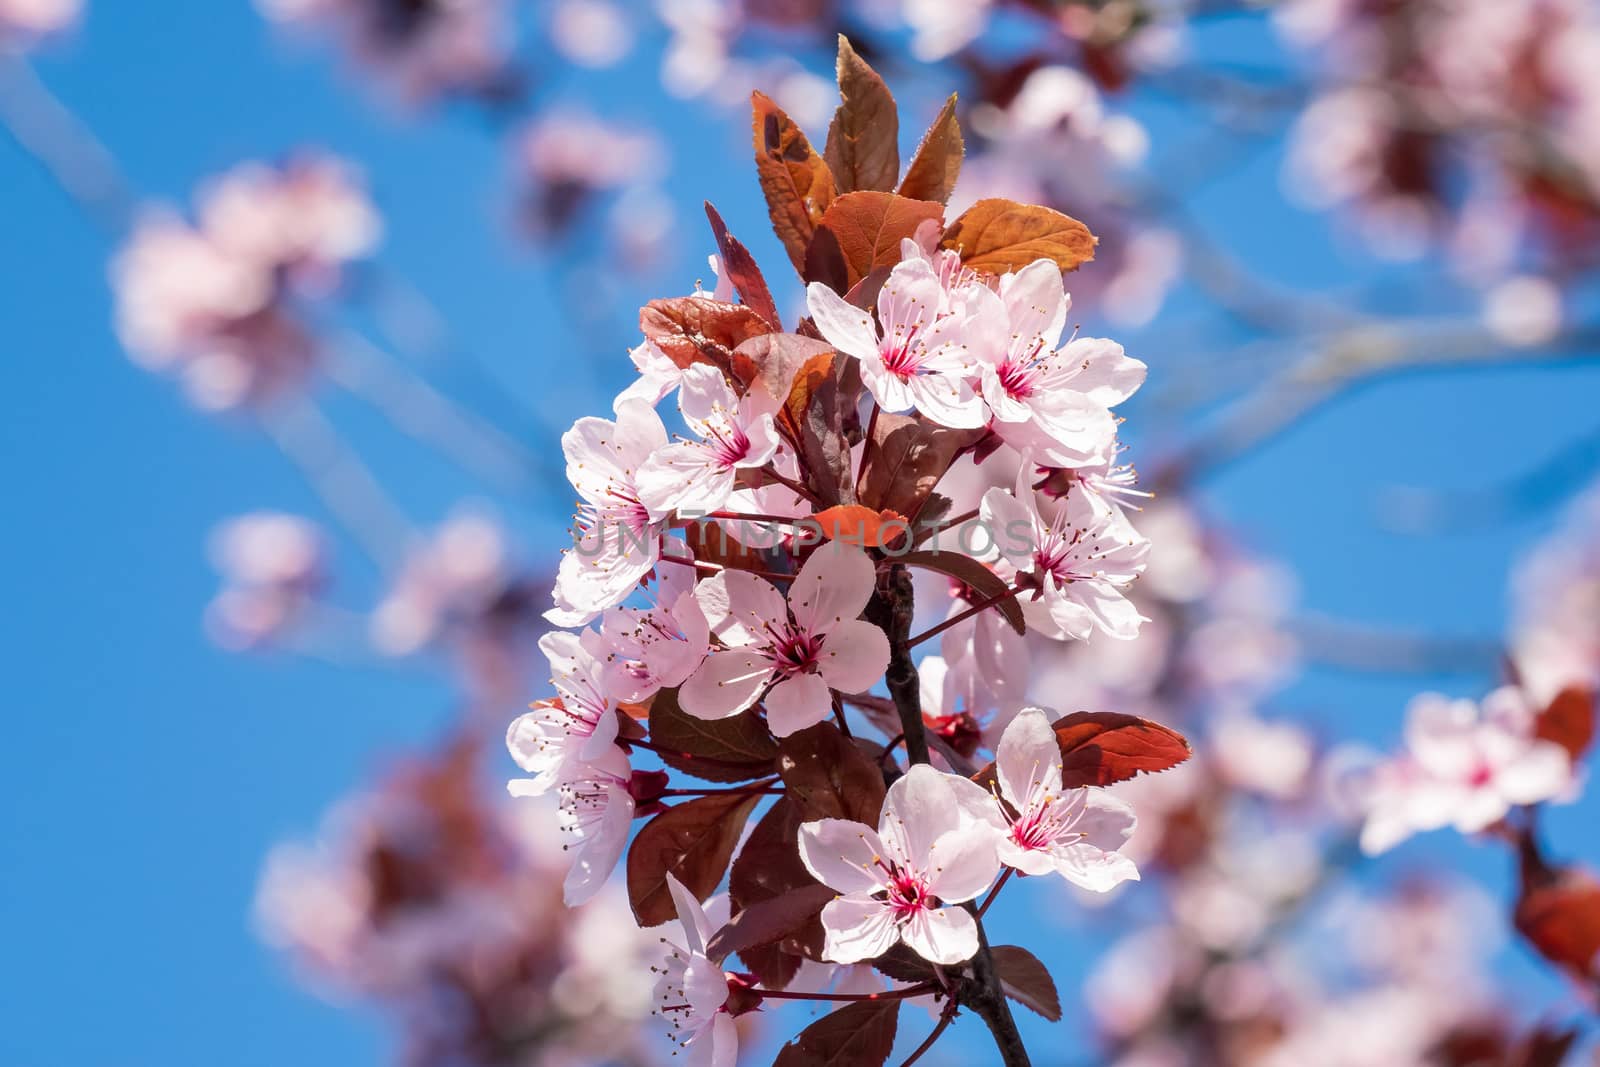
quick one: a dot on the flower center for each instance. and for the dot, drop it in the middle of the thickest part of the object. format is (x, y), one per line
(793, 651)
(908, 895)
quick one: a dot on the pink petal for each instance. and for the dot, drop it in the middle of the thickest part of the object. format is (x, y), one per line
(918, 810)
(740, 606)
(857, 928)
(845, 327)
(1027, 757)
(728, 681)
(962, 863)
(832, 587)
(945, 936)
(796, 703)
(842, 854)
(1097, 871)
(696, 928)
(853, 656)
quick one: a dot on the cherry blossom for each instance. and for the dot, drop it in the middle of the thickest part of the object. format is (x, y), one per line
(929, 851)
(27, 19)
(619, 538)
(659, 647)
(1074, 832)
(1053, 402)
(1078, 555)
(735, 433)
(917, 361)
(596, 809)
(272, 566)
(693, 990)
(802, 648)
(578, 727)
(658, 376)
(1466, 766)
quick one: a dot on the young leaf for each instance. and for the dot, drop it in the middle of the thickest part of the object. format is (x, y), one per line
(693, 842)
(768, 867)
(861, 526)
(1568, 720)
(735, 749)
(1102, 747)
(796, 181)
(996, 235)
(937, 164)
(740, 267)
(1026, 981)
(905, 460)
(983, 582)
(697, 329)
(866, 228)
(863, 147)
(828, 777)
(857, 1035)
(766, 922)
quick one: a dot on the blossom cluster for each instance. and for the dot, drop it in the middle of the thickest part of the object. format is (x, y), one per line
(220, 301)
(736, 593)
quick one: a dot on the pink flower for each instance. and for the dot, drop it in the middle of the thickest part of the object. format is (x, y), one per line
(659, 647)
(597, 810)
(658, 375)
(693, 990)
(917, 361)
(1464, 766)
(576, 729)
(934, 846)
(27, 19)
(1054, 402)
(1080, 555)
(735, 433)
(802, 648)
(1074, 832)
(272, 566)
(619, 539)
(455, 577)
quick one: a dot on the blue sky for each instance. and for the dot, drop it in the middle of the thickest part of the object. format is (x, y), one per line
(147, 773)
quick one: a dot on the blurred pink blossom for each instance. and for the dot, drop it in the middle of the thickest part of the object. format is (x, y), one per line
(272, 567)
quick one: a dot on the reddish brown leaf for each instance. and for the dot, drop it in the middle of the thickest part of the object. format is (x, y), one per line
(868, 228)
(735, 749)
(796, 181)
(740, 268)
(857, 1035)
(862, 526)
(822, 402)
(710, 543)
(1547, 1046)
(1103, 747)
(697, 329)
(1560, 916)
(828, 777)
(905, 460)
(863, 148)
(769, 866)
(767, 922)
(693, 842)
(1026, 981)
(1569, 720)
(773, 362)
(934, 169)
(983, 582)
(996, 235)
(904, 965)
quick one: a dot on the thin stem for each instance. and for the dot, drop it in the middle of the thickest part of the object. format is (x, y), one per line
(888, 750)
(838, 715)
(717, 568)
(985, 605)
(946, 1017)
(890, 994)
(1004, 878)
(781, 520)
(751, 791)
